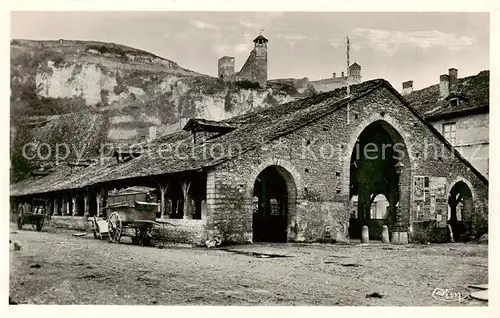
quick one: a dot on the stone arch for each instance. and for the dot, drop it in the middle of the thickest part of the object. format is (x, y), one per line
(464, 180)
(389, 120)
(389, 132)
(271, 220)
(461, 199)
(287, 165)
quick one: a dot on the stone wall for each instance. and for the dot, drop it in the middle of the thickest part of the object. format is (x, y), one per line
(254, 69)
(226, 68)
(178, 231)
(181, 231)
(317, 156)
(67, 222)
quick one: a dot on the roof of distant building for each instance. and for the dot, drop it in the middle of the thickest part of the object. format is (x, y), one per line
(260, 37)
(473, 93)
(355, 65)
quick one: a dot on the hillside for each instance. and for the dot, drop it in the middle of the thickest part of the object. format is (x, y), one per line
(90, 93)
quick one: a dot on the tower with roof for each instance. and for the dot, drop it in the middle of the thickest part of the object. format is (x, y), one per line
(255, 68)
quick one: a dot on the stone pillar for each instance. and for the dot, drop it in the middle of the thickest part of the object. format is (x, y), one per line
(385, 234)
(400, 235)
(365, 236)
(203, 209)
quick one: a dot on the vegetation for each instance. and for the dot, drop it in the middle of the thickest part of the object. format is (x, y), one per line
(247, 85)
(104, 97)
(271, 100)
(310, 91)
(228, 102)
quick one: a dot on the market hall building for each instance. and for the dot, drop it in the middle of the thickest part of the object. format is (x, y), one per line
(286, 173)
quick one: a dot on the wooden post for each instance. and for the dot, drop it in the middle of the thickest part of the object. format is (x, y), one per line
(98, 204)
(63, 206)
(73, 204)
(86, 204)
(187, 200)
(55, 206)
(163, 191)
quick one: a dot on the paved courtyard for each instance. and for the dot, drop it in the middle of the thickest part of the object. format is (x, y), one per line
(64, 269)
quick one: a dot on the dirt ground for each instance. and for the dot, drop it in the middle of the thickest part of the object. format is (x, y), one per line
(60, 268)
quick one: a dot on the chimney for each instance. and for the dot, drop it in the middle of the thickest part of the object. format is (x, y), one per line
(444, 86)
(453, 75)
(342, 74)
(334, 75)
(407, 88)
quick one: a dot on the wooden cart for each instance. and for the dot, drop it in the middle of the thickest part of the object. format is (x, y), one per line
(140, 217)
(33, 214)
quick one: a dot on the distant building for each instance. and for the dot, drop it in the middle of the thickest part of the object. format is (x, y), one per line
(255, 68)
(459, 109)
(326, 84)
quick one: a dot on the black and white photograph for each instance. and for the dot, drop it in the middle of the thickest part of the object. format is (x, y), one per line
(249, 158)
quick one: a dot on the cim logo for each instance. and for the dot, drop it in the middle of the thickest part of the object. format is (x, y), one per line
(444, 294)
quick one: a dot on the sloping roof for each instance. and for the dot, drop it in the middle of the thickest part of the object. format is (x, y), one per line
(260, 37)
(177, 153)
(131, 190)
(473, 92)
(208, 125)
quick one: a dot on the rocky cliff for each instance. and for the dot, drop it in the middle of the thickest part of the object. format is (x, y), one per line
(89, 93)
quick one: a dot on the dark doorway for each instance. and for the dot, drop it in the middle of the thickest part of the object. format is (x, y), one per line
(461, 204)
(373, 174)
(271, 205)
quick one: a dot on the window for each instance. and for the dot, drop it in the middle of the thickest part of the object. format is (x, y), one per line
(454, 102)
(449, 131)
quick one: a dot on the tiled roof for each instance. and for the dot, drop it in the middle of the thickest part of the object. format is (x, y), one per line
(200, 123)
(260, 37)
(473, 94)
(177, 153)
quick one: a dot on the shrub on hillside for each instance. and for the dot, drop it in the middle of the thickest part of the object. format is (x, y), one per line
(247, 85)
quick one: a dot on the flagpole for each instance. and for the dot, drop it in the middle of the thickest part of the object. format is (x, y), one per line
(348, 88)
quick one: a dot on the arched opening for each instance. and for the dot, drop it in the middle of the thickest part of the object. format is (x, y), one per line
(274, 196)
(460, 204)
(375, 180)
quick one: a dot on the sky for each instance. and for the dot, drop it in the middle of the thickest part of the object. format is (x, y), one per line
(396, 46)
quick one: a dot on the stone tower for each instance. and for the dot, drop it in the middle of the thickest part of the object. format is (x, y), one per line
(355, 73)
(226, 68)
(260, 62)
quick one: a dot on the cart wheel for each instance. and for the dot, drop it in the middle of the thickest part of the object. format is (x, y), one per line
(39, 224)
(114, 227)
